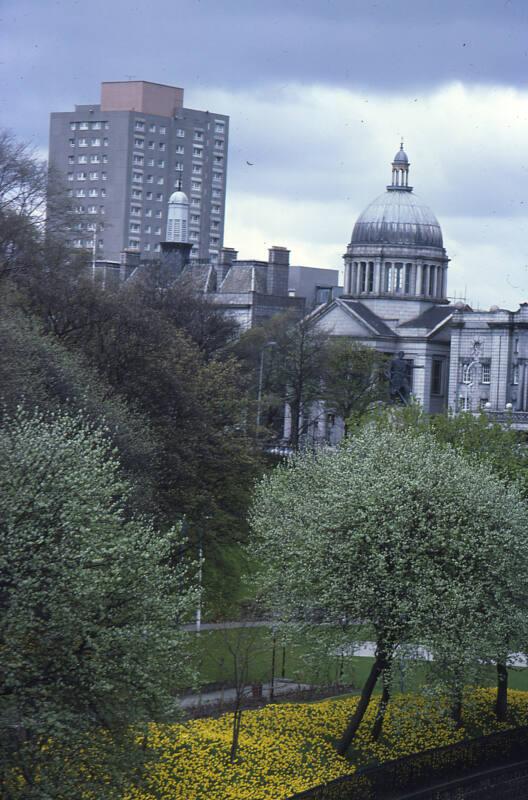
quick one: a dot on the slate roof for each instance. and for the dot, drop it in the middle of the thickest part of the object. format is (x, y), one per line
(201, 277)
(430, 318)
(368, 316)
(242, 278)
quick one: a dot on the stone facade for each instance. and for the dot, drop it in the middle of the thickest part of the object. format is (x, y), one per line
(489, 363)
(395, 299)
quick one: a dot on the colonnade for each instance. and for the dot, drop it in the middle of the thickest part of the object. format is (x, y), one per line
(396, 278)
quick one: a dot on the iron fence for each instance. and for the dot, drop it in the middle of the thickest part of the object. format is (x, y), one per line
(416, 776)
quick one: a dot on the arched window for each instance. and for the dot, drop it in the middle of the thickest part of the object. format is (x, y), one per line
(466, 373)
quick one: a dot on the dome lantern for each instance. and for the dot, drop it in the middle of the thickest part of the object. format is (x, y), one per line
(400, 172)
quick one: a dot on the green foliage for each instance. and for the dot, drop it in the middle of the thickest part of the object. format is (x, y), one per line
(290, 352)
(89, 610)
(38, 371)
(400, 530)
(354, 379)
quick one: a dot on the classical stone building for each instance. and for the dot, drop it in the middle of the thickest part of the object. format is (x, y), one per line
(489, 363)
(395, 287)
(395, 300)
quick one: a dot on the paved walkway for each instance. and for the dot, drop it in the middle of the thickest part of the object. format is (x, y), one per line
(368, 650)
(223, 626)
(281, 686)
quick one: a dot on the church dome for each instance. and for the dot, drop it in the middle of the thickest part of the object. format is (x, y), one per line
(396, 249)
(398, 217)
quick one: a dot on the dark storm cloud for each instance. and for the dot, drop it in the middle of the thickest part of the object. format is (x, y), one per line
(319, 92)
(58, 52)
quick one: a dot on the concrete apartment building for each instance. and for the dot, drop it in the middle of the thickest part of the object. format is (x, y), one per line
(124, 157)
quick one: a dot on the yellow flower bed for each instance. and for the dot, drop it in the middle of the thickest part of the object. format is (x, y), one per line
(287, 748)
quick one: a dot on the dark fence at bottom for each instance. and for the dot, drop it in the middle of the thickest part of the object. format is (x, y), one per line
(425, 775)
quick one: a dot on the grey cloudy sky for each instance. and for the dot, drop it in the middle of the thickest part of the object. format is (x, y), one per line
(319, 92)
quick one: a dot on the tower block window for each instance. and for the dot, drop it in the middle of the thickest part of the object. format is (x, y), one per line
(437, 377)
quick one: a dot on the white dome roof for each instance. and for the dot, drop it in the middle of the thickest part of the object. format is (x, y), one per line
(397, 217)
(178, 197)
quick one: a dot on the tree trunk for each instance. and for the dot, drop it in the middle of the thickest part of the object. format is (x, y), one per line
(237, 721)
(456, 709)
(294, 432)
(368, 688)
(501, 705)
(380, 714)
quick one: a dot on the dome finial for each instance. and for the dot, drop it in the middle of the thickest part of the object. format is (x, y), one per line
(400, 171)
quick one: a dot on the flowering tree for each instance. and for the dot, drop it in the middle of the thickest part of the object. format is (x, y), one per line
(89, 611)
(380, 530)
(496, 610)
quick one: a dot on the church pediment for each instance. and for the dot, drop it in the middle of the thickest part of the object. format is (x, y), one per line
(351, 318)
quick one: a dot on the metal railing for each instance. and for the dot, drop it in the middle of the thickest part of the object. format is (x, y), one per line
(445, 769)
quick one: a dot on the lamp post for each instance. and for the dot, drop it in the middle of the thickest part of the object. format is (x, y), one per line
(261, 376)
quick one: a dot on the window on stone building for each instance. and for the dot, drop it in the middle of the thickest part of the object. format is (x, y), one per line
(363, 277)
(515, 374)
(437, 377)
(466, 373)
(370, 277)
(431, 280)
(486, 373)
(408, 273)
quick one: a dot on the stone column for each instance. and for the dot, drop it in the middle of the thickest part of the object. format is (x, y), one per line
(348, 268)
(378, 277)
(414, 280)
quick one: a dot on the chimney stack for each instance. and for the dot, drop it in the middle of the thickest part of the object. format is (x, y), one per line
(227, 256)
(278, 271)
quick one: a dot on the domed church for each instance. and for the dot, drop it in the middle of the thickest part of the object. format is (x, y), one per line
(396, 285)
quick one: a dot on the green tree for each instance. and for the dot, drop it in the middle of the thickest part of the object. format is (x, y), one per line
(89, 614)
(391, 528)
(37, 370)
(354, 378)
(292, 373)
(193, 394)
(35, 211)
(503, 450)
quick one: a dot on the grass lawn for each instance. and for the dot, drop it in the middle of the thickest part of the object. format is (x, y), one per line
(215, 651)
